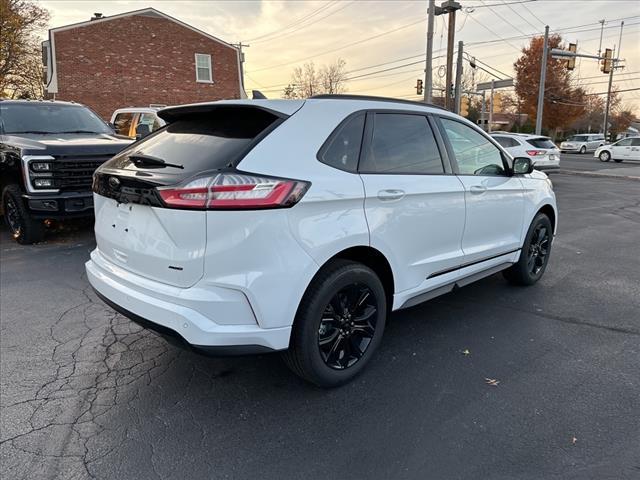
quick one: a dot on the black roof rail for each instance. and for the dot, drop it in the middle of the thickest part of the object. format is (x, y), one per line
(372, 98)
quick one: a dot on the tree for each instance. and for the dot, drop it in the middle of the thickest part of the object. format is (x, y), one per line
(307, 81)
(20, 60)
(563, 103)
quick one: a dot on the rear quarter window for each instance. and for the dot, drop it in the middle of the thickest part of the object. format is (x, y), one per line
(342, 148)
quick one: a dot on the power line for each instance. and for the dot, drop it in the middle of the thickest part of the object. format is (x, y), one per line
(617, 91)
(289, 25)
(533, 15)
(494, 33)
(300, 27)
(518, 14)
(343, 46)
(504, 19)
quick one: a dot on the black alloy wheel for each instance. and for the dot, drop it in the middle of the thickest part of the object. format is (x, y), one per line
(538, 249)
(24, 228)
(12, 216)
(347, 326)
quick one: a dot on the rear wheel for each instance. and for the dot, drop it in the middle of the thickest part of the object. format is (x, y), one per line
(24, 229)
(339, 324)
(583, 150)
(604, 156)
(534, 255)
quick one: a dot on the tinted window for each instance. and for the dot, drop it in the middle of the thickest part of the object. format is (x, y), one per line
(343, 147)
(623, 143)
(635, 142)
(506, 141)
(578, 138)
(44, 117)
(474, 153)
(122, 123)
(200, 141)
(541, 143)
(402, 144)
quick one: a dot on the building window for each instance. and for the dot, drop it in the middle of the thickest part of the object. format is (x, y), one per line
(203, 68)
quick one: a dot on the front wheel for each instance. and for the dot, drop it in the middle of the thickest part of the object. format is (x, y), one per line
(583, 150)
(24, 229)
(534, 255)
(339, 324)
(604, 156)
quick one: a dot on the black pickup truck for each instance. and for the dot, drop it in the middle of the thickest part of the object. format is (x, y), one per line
(48, 153)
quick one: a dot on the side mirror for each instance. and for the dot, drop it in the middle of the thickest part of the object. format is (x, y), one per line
(522, 165)
(142, 130)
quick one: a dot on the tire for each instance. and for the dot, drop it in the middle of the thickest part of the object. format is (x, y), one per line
(328, 347)
(604, 156)
(583, 150)
(534, 255)
(24, 229)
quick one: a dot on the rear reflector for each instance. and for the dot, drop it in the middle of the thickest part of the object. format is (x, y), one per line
(234, 190)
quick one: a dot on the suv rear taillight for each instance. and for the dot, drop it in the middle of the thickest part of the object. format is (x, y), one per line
(234, 190)
(536, 153)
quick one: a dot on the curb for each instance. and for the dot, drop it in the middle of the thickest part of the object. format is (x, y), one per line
(596, 174)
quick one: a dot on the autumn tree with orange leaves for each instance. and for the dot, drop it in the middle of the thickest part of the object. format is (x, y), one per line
(563, 103)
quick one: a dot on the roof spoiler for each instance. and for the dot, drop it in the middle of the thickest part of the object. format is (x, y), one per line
(172, 114)
(258, 95)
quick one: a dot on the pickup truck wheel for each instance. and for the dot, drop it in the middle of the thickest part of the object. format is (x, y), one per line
(534, 255)
(24, 229)
(604, 156)
(339, 324)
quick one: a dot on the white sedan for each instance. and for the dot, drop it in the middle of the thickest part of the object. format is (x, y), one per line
(625, 149)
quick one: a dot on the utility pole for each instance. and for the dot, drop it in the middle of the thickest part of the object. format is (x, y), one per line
(491, 106)
(428, 77)
(458, 78)
(543, 78)
(241, 59)
(450, 7)
(482, 110)
(616, 57)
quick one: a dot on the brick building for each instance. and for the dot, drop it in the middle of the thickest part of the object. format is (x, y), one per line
(136, 59)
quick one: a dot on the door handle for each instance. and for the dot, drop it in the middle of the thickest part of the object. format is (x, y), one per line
(386, 195)
(478, 189)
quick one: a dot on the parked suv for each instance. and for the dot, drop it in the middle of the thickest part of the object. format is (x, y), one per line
(48, 153)
(262, 225)
(541, 150)
(136, 122)
(583, 143)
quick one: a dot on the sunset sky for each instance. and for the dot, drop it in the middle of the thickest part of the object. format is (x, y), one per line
(284, 34)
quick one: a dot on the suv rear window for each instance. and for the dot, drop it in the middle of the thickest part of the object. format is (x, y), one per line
(202, 141)
(541, 142)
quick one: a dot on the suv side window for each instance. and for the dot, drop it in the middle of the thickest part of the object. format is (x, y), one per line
(122, 123)
(635, 142)
(474, 154)
(402, 143)
(150, 119)
(342, 149)
(624, 143)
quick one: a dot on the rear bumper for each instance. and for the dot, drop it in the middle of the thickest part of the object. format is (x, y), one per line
(196, 316)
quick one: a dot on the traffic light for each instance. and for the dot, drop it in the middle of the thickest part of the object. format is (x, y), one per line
(419, 89)
(571, 63)
(607, 61)
(497, 102)
(464, 106)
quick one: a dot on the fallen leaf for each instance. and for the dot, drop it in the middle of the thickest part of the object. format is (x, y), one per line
(492, 381)
(466, 352)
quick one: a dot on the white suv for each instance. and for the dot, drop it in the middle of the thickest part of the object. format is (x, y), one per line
(541, 150)
(254, 226)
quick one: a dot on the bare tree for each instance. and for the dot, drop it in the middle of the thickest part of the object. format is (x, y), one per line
(307, 80)
(20, 61)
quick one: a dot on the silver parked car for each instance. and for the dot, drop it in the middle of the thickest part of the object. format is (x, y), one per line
(583, 143)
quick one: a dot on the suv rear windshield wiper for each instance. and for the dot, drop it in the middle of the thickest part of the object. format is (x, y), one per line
(140, 159)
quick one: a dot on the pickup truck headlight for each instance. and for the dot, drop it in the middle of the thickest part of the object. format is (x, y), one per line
(43, 182)
(40, 166)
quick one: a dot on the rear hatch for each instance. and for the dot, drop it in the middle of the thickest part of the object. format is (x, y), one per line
(542, 149)
(135, 229)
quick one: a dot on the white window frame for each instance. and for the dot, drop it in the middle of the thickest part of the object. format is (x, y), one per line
(208, 57)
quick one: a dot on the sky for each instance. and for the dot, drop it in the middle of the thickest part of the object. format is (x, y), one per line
(372, 36)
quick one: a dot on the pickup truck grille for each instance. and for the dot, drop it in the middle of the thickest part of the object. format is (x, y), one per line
(75, 173)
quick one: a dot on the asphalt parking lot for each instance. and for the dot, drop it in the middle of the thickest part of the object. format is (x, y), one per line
(87, 394)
